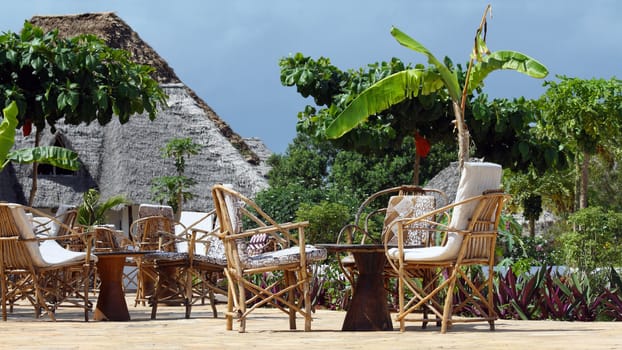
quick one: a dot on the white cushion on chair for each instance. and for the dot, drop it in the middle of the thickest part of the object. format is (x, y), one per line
(49, 252)
(476, 178)
(53, 254)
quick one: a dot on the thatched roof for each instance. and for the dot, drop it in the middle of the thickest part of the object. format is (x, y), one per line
(123, 159)
(118, 34)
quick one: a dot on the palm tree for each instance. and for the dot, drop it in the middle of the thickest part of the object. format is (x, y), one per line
(413, 82)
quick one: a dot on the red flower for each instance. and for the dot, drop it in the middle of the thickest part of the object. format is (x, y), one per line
(422, 146)
(27, 127)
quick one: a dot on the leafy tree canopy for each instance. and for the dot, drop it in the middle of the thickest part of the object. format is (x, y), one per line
(80, 79)
(502, 129)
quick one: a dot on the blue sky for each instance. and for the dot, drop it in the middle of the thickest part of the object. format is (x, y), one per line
(228, 51)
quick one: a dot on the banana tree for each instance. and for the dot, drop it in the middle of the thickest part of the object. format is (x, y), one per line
(413, 82)
(52, 155)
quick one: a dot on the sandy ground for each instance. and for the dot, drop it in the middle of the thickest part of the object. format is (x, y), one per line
(268, 328)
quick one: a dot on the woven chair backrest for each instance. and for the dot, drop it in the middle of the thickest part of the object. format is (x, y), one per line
(153, 220)
(476, 178)
(18, 253)
(409, 206)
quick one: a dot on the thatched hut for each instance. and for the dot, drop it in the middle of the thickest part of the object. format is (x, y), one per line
(123, 159)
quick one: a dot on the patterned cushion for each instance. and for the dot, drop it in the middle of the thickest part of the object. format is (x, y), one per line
(260, 243)
(283, 257)
(215, 252)
(168, 256)
(211, 259)
(400, 207)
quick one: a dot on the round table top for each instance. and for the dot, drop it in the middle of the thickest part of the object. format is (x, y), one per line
(354, 247)
(124, 252)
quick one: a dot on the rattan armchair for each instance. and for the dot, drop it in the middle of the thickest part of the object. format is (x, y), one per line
(153, 231)
(388, 205)
(470, 237)
(199, 260)
(241, 219)
(39, 269)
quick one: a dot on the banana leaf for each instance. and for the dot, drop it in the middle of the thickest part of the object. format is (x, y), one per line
(56, 156)
(7, 132)
(507, 60)
(383, 94)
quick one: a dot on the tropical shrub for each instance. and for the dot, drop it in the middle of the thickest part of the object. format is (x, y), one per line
(325, 220)
(595, 241)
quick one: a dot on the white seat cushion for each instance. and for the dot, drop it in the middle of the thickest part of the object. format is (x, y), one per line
(53, 254)
(476, 178)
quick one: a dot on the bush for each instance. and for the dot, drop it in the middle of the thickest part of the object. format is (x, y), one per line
(325, 220)
(595, 241)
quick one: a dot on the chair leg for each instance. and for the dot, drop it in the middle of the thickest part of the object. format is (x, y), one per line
(3, 286)
(289, 280)
(242, 306)
(85, 292)
(155, 297)
(188, 291)
(230, 296)
(212, 301)
(307, 299)
(447, 309)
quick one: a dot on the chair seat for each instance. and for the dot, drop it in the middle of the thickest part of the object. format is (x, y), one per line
(210, 259)
(171, 256)
(422, 254)
(284, 257)
(54, 254)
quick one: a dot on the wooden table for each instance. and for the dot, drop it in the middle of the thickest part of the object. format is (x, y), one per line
(368, 310)
(111, 304)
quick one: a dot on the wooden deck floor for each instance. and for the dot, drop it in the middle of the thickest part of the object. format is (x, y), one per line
(268, 328)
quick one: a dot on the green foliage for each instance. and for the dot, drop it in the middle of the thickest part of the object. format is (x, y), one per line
(282, 202)
(79, 79)
(332, 89)
(606, 180)
(325, 220)
(395, 88)
(55, 156)
(7, 132)
(92, 211)
(596, 240)
(179, 149)
(305, 161)
(311, 171)
(503, 132)
(167, 189)
(582, 114)
(173, 190)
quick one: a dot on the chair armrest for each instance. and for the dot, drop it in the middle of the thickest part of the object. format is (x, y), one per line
(273, 230)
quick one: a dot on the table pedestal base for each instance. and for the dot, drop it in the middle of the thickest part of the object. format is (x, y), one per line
(111, 304)
(369, 310)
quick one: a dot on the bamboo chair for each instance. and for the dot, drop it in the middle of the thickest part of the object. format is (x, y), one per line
(200, 260)
(470, 237)
(64, 218)
(393, 203)
(241, 219)
(39, 269)
(154, 230)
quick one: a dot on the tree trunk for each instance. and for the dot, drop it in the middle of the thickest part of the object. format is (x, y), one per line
(35, 166)
(532, 227)
(584, 178)
(416, 170)
(463, 135)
